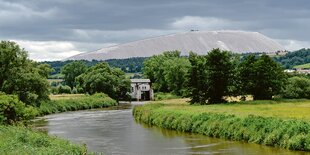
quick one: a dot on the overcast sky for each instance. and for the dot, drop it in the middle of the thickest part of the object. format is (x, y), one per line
(56, 29)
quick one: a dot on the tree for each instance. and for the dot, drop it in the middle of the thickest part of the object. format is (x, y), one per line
(220, 69)
(103, 78)
(297, 87)
(196, 83)
(21, 76)
(167, 72)
(262, 77)
(71, 71)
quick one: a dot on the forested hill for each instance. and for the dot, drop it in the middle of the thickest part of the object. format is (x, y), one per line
(291, 59)
(130, 65)
(134, 65)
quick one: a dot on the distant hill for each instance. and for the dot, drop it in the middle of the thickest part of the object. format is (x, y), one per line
(295, 58)
(197, 41)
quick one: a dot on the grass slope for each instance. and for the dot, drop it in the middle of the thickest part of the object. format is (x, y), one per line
(19, 140)
(284, 124)
(73, 102)
(305, 66)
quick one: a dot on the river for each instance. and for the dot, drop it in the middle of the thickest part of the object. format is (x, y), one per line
(114, 131)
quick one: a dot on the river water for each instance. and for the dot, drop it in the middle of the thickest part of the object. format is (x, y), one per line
(114, 131)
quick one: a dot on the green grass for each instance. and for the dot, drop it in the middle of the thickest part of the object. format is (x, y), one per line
(284, 123)
(73, 102)
(20, 140)
(305, 66)
(165, 96)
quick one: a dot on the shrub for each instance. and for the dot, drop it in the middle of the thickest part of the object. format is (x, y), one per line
(12, 110)
(64, 89)
(297, 87)
(74, 91)
(164, 96)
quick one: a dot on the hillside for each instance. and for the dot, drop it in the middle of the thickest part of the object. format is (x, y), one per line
(198, 41)
(305, 66)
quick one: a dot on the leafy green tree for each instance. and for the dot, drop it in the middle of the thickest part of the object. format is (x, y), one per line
(103, 78)
(167, 72)
(196, 83)
(220, 69)
(21, 76)
(261, 77)
(73, 70)
(297, 87)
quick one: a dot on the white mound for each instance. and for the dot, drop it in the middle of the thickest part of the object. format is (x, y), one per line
(197, 41)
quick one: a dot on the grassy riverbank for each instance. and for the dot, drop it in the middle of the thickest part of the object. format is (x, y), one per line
(284, 124)
(20, 140)
(73, 102)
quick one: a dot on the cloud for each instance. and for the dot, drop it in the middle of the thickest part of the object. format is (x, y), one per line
(204, 23)
(56, 50)
(293, 45)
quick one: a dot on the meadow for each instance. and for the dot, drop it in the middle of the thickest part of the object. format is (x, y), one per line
(279, 123)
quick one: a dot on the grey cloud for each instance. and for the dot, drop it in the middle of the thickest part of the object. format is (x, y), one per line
(118, 21)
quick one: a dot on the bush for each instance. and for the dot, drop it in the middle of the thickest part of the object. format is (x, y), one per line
(74, 91)
(64, 89)
(12, 110)
(165, 96)
(297, 87)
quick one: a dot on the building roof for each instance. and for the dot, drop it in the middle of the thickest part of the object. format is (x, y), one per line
(140, 80)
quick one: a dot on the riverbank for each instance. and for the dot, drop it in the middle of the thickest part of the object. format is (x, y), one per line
(22, 140)
(284, 124)
(73, 102)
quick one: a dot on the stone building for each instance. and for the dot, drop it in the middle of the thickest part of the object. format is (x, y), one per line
(141, 89)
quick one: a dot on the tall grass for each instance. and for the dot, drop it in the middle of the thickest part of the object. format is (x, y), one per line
(19, 140)
(291, 134)
(77, 102)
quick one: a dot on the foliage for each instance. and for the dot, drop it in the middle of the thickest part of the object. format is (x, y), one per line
(291, 59)
(103, 78)
(74, 103)
(21, 140)
(167, 72)
(129, 65)
(165, 96)
(261, 77)
(210, 76)
(297, 87)
(21, 76)
(291, 134)
(63, 89)
(13, 110)
(196, 83)
(71, 71)
(220, 69)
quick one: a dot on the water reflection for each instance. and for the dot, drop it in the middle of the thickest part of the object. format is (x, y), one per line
(114, 131)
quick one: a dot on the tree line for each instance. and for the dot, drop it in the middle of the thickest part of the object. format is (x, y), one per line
(208, 79)
(129, 65)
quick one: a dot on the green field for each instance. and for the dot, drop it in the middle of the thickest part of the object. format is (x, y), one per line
(283, 123)
(284, 109)
(305, 66)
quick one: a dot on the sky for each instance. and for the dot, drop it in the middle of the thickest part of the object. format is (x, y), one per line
(56, 29)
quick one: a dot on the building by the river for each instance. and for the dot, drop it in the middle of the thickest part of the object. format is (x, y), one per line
(141, 89)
